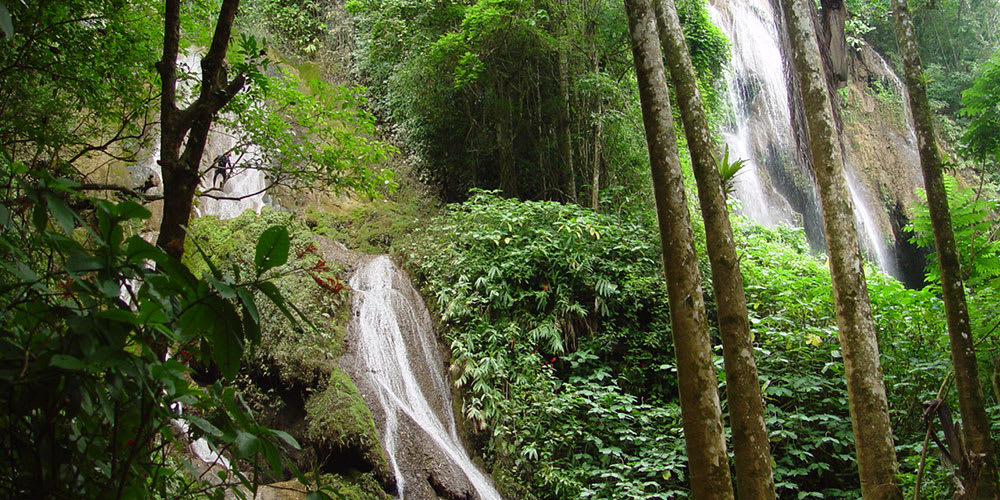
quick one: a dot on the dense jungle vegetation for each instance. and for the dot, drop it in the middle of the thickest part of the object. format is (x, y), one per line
(497, 149)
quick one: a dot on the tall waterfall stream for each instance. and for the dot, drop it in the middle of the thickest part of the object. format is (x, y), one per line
(761, 129)
(394, 358)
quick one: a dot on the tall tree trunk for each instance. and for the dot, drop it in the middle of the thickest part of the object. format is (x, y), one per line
(856, 329)
(595, 179)
(978, 468)
(181, 169)
(703, 432)
(568, 181)
(505, 152)
(754, 479)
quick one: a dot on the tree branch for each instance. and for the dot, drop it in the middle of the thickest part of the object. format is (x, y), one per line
(96, 186)
(167, 65)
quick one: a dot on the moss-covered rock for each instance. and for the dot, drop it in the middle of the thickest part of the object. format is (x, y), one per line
(338, 418)
(290, 378)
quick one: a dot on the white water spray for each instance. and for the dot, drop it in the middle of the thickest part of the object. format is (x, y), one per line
(244, 189)
(762, 130)
(397, 350)
(758, 98)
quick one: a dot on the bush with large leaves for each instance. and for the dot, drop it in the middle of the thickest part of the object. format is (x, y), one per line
(100, 331)
(558, 326)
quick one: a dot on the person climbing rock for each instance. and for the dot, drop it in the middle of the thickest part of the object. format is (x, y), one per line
(223, 167)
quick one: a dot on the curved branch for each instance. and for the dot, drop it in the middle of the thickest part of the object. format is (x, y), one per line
(96, 186)
(207, 193)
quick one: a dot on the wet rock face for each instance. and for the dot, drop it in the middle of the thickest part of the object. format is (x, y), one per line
(878, 139)
(393, 356)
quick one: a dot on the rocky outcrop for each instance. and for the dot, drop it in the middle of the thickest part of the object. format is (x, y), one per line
(880, 147)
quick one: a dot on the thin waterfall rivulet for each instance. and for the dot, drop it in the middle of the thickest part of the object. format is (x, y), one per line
(400, 372)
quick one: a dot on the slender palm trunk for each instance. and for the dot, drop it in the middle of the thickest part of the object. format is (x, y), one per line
(700, 410)
(754, 479)
(865, 390)
(568, 172)
(978, 469)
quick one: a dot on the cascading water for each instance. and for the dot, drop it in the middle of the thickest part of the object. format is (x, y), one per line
(244, 189)
(761, 129)
(394, 359)
(758, 99)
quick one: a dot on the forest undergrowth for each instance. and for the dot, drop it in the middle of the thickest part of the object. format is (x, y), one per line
(559, 331)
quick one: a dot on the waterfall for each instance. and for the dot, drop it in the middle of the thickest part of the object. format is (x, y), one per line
(760, 128)
(396, 363)
(757, 95)
(243, 190)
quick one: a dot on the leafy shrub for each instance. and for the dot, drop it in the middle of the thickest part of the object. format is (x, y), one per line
(558, 326)
(290, 372)
(97, 350)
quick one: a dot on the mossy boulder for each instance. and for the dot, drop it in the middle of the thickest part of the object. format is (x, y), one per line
(290, 378)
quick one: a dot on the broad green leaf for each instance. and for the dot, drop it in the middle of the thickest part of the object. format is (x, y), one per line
(216, 273)
(287, 438)
(272, 248)
(39, 217)
(132, 210)
(272, 456)
(246, 298)
(4, 216)
(227, 338)
(68, 362)
(197, 319)
(204, 425)
(246, 444)
(319, 495)
(271, 291)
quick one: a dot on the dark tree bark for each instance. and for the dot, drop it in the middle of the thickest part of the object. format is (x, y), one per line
(833, 16)
(856, 329)
(978, 467)
(180, 169)
(700, 410)
(505, 154)
(568, 173)
(595, 177)
(754, 479)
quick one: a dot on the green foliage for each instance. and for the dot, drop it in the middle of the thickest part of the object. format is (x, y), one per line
(973, 218)
(866, 18)
(290, 371)
(298, 354)
(475, 90)
(709, 47)
(311, 135)
(953, 36)
(728, 171)
(102, 334)
(5, 23)
(337, 415)
(535, 293)
(373, 228)
(974, 222)
(558, 326)
(75, 74)
(801, 366)
(981, 104)
(301, 26)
